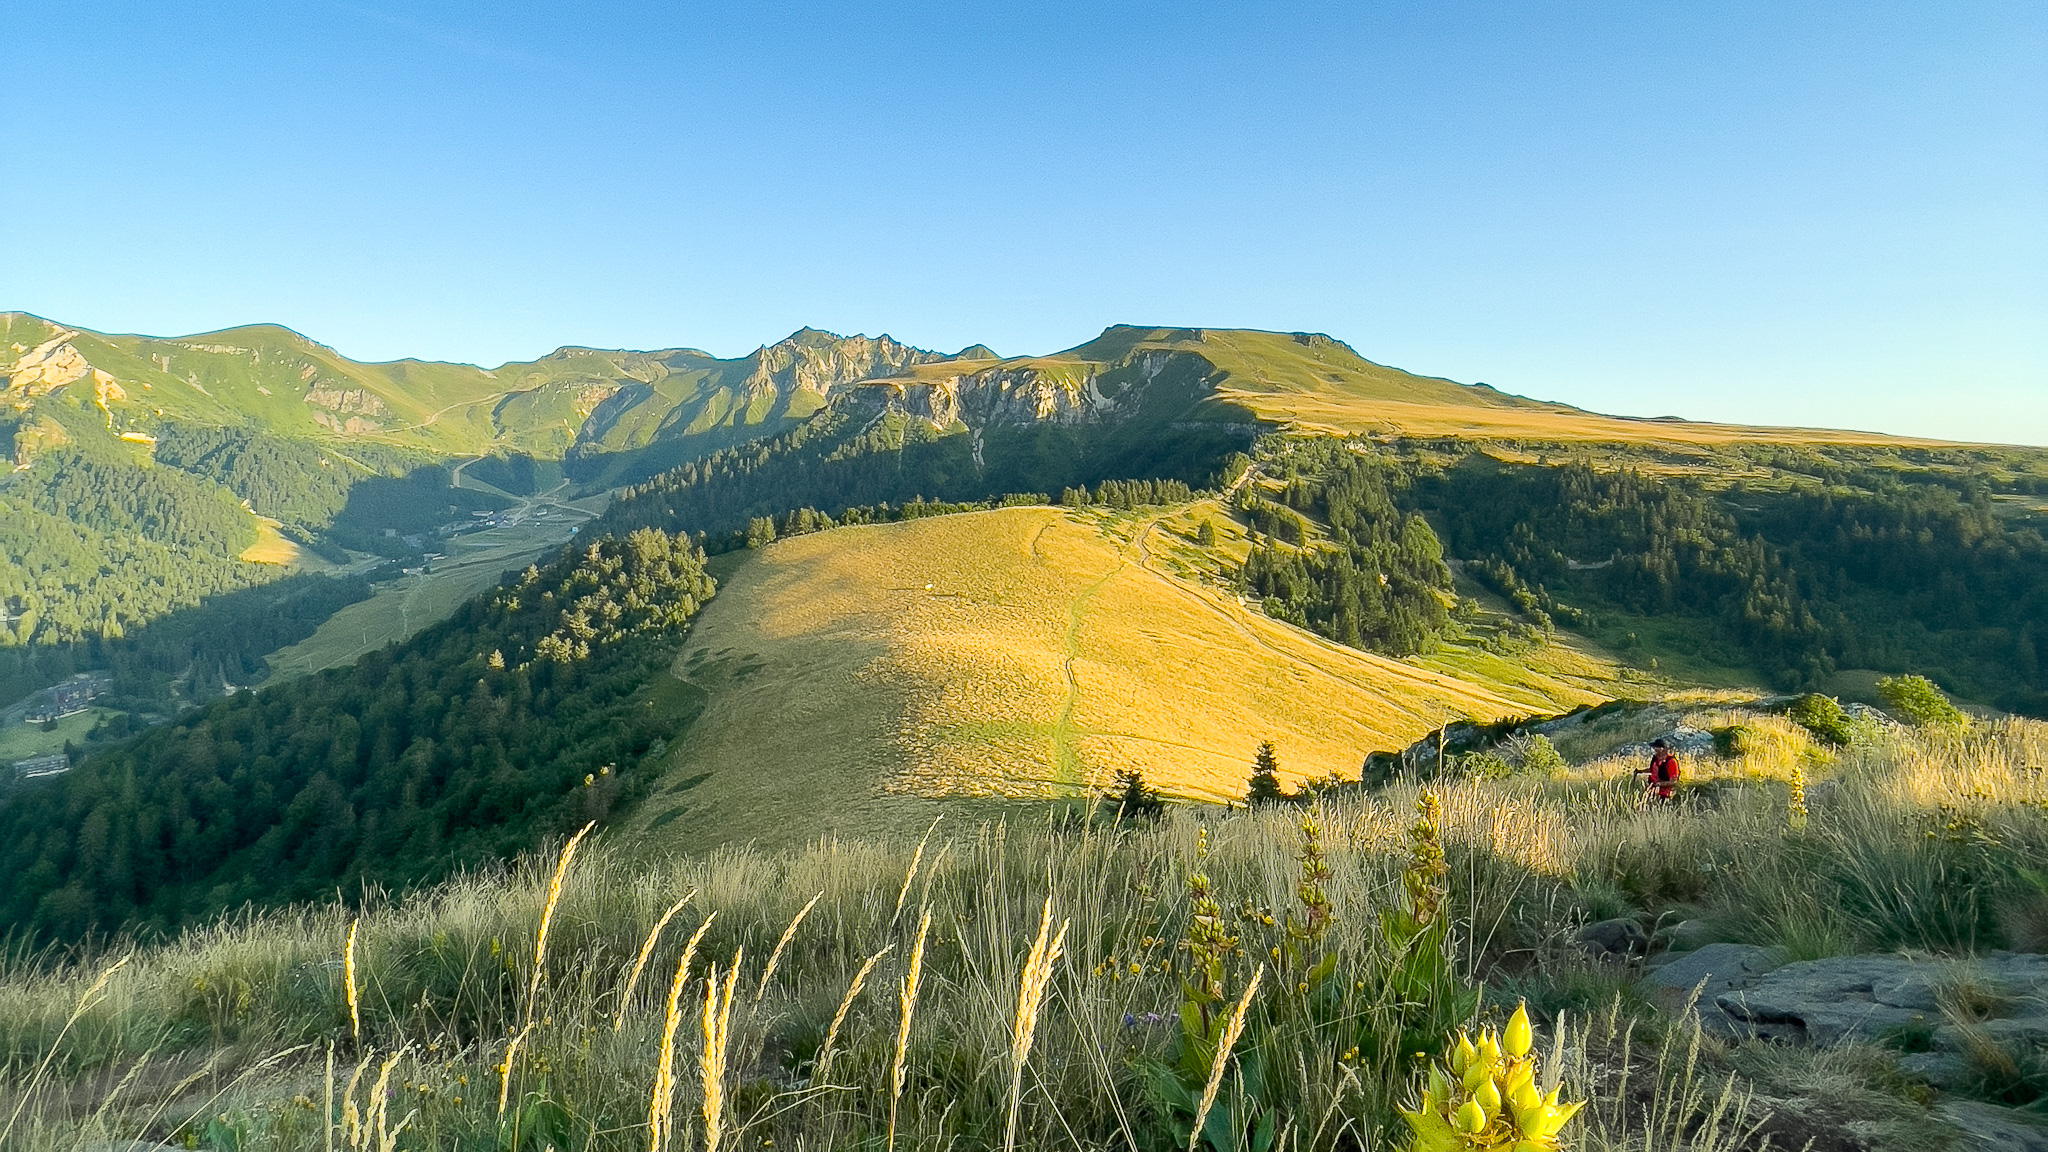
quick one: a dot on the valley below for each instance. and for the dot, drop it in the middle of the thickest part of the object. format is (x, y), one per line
(528, 530)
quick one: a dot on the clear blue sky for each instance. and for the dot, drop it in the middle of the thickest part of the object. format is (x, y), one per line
(1767, 212)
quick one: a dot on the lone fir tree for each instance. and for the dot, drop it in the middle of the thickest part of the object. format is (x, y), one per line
(1265, 781)
(1134, 799)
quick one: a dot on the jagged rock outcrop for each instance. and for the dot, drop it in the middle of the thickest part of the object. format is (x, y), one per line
(1070, 392)
(35, 436)
(56, 364)
(818, 362)
(1000, 396)
(357, 400)
(350, 411)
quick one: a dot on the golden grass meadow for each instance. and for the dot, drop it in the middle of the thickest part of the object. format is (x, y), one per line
(1033, 653)
(1060, 981)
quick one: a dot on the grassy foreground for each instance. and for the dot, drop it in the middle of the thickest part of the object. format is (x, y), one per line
(1059, 985)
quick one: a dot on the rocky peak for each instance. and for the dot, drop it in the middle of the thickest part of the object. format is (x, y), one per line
(818, 362)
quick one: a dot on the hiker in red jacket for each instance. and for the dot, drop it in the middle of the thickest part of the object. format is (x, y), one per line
(1662, 775)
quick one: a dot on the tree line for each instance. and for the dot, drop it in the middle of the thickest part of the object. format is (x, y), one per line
(1801, 578)
(92, 546)
(830, 461)
(528, 712)
(1380, 584)
(189, 654)
(302, 485)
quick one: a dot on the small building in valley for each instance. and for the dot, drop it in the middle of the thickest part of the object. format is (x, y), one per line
(37, 767)
(68, 698)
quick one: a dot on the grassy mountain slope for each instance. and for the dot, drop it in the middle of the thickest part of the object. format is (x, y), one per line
(1296, 364)
(598, 401)
(260, 375)
(1031, 652)
(1314, 383)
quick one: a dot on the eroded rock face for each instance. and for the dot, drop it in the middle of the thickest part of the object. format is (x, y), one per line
(350, 411)
(1001, 396)
(818, 363)
(47, 367)
(585, 397)
(357, 400)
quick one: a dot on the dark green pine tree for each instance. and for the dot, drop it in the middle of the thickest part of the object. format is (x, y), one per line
(1265, 781)
(1134, 799)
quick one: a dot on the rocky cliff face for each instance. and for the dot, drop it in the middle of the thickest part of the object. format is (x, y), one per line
(1065, 393)
(818, 362)
(648, 409)
(998, 396)
(52, 365)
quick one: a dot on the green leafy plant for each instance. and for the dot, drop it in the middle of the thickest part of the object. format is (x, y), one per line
(1419, 977)
(1541, 758)
(1822, 716)
(1916, 699)
(1735, 741)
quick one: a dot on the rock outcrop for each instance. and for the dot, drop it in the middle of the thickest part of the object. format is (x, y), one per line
(356, 400)
(350, 411)
(1989, 1128)
(1711, 972)
(1614, 939)
(1941, 1012)
(2000, 996)
(999, 396)
(1752, 991)
(818, 362)
(55, 364)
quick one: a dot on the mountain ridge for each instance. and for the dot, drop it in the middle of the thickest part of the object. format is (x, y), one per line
(462, 408)
(621, 414)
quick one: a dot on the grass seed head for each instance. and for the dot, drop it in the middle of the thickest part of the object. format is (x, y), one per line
(640, 961)
(547, 916)
(775, 957)
(348, 982)
(1233, 1027)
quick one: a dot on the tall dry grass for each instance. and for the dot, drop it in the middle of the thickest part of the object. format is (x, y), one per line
(220, 1035)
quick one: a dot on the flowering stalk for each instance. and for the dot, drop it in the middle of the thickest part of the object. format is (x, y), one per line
(1485, 1098)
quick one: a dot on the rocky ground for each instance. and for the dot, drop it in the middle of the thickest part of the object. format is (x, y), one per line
(1957, 1025)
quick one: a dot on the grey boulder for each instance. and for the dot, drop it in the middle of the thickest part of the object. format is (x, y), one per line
(1616, 938)
(1989, 1128)
(1868, 997)
(1713, 969)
